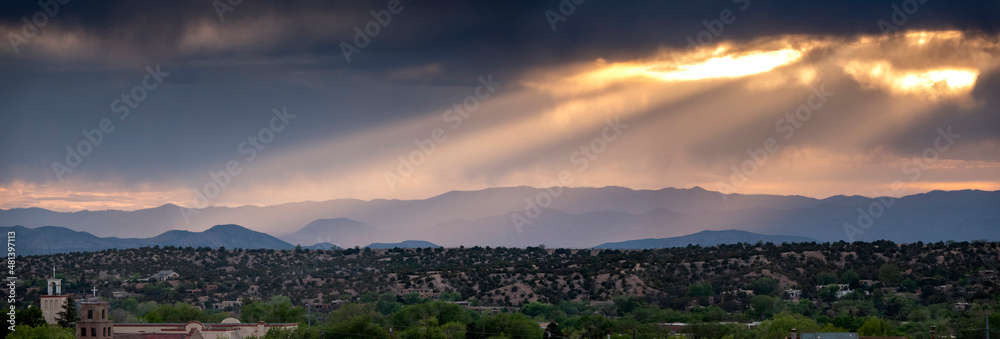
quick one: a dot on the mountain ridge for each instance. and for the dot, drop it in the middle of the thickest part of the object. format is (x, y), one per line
(579, 217)
(56, 239)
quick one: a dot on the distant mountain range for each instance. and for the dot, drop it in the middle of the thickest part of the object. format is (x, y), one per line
(51, 239)
(404, 244)
(704, 239)
(575, 218)
(337, 231)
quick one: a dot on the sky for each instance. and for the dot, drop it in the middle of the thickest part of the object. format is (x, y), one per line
(130, 105)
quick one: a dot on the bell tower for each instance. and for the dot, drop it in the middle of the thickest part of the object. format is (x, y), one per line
(53, 301)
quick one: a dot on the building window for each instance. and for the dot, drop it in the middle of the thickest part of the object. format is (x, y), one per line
(90, 314)
(83, 331)
(93, 331)
(104, 314)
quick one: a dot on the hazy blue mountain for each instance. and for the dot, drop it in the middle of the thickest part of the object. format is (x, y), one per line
(343, 231)
(705, 239)
(229, 236)
(576, 217)
(404, 244)
(393, 215)
(153, 221)
(52, 239)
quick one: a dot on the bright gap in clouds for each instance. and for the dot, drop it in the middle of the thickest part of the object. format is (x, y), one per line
(716, 66)
(728, 66)
(951, 79)
(931, 83)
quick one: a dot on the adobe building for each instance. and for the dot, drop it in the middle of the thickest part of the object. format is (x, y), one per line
(52, 302)
(229, 328)
(94, 322)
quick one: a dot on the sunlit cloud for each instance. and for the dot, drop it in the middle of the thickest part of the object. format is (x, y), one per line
(681, 66)
(77, 196)
(934, 84)
(693, 114)
(929, 66)
(728, 66)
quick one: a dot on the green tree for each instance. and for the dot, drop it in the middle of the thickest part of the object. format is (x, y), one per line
(353, 320)
(626, 304)
(766, 306)
(781, 325)
(908, 285)
(829, 293)
(130, 304)
(889, 274)
(363, 326)
(763, 286)
(388, 307)
(848, 322)
(453, 296)
(278, 310)
(708, 330)
(348, 311)
(514, 325)
(300, 332)
(453, 330)
(41, 331)
(876, 327)
(851, 278)
(180, 313)
(700, 290)
(31, 316)
(534, 309)
(553, 331)
(825, 278)
(441, 312)
(68, 316)
(411, 299)
(427, 328)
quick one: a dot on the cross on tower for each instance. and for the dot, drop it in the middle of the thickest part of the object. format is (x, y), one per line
(94, 290)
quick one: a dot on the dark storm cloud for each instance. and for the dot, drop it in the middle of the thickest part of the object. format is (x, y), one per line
(226, 76)
(466, 38)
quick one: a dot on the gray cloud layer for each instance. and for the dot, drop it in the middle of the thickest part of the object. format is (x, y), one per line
(226, 76)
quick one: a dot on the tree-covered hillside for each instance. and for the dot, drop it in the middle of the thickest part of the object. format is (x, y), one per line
(904, 284)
